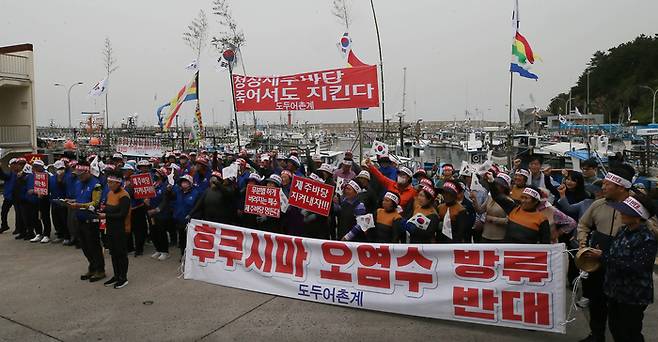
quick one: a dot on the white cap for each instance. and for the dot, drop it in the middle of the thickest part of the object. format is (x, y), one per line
(38, 162)
(59, 165)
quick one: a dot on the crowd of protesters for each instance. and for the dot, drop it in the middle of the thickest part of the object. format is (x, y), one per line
(90, 204)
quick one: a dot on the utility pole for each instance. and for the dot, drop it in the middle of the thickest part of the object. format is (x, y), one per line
(587, 104)
(404, 88)
(653, 115)
(68, 97)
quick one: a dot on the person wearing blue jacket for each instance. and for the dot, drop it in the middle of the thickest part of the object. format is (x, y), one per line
(10, 181)
(57, 189)
(201, 176)
(87, 198)
(28, 202)
(185, 196)
(161, 216)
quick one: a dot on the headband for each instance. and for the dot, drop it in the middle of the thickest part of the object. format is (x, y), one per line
(532, 193)
(637, 207)
(450, 186)
(505, 177)
(393, 197)
(354, 186)
(523, 172)
(113, 179)
(430, 190)
(618, 180)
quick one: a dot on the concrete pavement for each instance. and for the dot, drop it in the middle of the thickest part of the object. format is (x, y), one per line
(42, 299)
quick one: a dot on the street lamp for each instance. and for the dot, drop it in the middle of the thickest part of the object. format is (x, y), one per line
(653, 116)
(68, 96)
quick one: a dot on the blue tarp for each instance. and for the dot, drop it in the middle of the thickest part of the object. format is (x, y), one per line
(583, 155)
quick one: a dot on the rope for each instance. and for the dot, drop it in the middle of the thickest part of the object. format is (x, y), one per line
(571, 315)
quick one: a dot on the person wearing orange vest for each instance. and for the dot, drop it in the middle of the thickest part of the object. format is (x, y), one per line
(402, 186)
(117, 214)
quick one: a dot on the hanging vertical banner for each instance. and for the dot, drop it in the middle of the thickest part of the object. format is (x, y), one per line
(511, 285)
(328, 89)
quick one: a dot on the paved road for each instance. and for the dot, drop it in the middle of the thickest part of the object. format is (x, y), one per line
(42, 299)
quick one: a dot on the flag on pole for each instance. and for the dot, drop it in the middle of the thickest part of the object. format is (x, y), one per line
(354, 61)
(522, 55)
(198, 123)
(177, 101)
(99, 88)
(193, 66)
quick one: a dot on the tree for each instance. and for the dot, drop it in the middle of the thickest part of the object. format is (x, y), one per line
(615, 80)
(196, 34)
(342, 10)
(110, 67)
(230, 37)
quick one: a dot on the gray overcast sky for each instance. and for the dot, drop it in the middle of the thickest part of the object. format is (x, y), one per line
(456, 52)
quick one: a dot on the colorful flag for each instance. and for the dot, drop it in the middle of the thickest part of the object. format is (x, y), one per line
(177, 101)
(522, 54)
(198, 123)
(99, 88)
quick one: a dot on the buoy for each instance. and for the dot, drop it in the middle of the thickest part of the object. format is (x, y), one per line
(69, 145)
(94, 141)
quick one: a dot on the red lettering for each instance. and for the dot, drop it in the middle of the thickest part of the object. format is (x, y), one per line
(530, 265)
(232, 239)
(536, 308)
(374, 277)
(470, 297)
(345, 257)
(471, 264)
(508, 299)
(254, 255)
(413, 254)
(284, 263)
(300, 258)
(414, 279)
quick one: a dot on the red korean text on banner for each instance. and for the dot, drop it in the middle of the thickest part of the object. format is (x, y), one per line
(311, 195)
(142, 186)
(511, 285)
(263, 201)
(40, 183)
(327, 89)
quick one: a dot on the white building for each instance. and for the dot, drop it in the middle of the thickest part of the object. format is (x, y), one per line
(17, 114)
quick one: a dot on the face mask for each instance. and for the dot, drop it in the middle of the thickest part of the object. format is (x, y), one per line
(402, 180)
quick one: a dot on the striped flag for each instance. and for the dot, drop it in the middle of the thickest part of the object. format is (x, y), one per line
(177, 101)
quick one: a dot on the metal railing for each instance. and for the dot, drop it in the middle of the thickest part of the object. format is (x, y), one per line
(14, 65)
(15, 135)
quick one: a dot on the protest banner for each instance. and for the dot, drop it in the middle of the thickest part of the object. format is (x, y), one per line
(327, 89)
(512, 285)
(311, 195)
(142, 186)
(263, 201)
(41, 184)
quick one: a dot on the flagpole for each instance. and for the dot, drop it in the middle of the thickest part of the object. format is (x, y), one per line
(235, 109)
(509, 135)
(381, 68)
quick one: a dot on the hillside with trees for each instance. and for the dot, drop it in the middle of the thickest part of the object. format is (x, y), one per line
(617, 80)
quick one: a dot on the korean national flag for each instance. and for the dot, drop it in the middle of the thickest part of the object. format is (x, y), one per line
(379, 148)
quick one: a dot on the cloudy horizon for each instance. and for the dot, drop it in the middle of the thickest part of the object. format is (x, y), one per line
(456, 53)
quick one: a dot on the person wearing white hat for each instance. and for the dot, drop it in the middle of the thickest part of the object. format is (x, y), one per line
(117, 215)
(520, 180)
(402, 186)
(186, 196)
(596, 229)
(368, 195)
(57, 189)
(629, 261)
(345, 170)
(347, 209)
(388, 221)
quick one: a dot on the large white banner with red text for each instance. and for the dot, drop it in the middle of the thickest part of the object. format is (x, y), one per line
(513, 285)
(327, 89)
